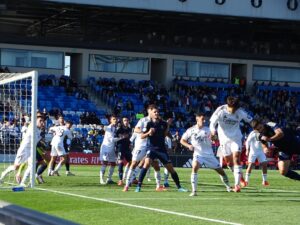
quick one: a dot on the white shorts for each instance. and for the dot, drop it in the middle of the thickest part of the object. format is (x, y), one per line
(258, 155)
(208, 161)
(138, 154)
(22, 156)
(57, 150)
(107, 154)
(231, 146)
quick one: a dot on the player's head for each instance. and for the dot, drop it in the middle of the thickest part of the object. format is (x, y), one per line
(61, 120)
(150, 107)
(233, 102)
(200, 119)
(125, 121)
(40, 121)
(113, 120)
(257, 125)
(154, 112)
(69, 124)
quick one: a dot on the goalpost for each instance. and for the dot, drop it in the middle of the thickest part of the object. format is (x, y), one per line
(18, 105)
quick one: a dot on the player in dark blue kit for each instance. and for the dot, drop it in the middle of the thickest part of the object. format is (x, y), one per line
(123, 148)
(285, 140)
(156, 131)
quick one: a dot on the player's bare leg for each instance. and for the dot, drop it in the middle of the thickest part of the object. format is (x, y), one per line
(283, 166)
(264, 173)
(224, 178)
(248, 173)
(58, 166)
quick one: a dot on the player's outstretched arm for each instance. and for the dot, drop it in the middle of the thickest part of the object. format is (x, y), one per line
(186, 144)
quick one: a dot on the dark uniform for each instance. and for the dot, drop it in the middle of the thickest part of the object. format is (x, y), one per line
(123, 146)
(157, 148)
(288, 145)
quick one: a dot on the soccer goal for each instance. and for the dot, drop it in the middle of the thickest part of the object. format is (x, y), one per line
(18, 108)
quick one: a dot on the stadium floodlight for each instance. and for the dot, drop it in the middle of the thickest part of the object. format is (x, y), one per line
(18, 94)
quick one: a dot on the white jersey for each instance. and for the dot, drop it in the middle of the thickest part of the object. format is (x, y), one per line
(228, 123)
(24, 151)
(142, 124)
(60, 132)
(253, 144)
(200, 140)
(26, 141)
(109, 139)
(139, 143)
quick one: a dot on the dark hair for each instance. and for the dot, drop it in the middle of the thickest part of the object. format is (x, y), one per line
(199, 114)
(41, 117)
(152, 106)
(254, 123)
(112, 115)
(233, 101)
(69, 121)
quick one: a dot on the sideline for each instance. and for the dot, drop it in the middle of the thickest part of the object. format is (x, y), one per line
(140, 207)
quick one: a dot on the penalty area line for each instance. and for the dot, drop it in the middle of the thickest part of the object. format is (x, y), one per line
(139, 207)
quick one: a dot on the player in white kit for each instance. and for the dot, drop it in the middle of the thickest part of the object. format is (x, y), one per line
(57, 145)
(24, 151)
(138, 154)
(108, 155)
(197, 139)
(227, 118)
(254, 150)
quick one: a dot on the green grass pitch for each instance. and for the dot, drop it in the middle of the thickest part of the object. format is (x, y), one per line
(83, 200)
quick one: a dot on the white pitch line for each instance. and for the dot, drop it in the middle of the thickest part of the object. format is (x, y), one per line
(255, 188)
(140, 207)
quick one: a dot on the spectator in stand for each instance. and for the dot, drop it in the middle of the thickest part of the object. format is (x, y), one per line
(62, 82)
(176, 142)
(179, 123)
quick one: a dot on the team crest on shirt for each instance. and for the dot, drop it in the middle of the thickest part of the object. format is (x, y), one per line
(230, 121)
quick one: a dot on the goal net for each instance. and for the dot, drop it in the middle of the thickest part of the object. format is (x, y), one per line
(18, 106)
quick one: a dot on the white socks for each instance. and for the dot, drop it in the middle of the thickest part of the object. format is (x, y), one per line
(157, 178)
(166, 175)
(225, 180)
(247, 177)
(237, 172)
(194, 181)
(58, 166)
(264, 177)
(110, 173)
(128, 177)
(102, 172)
(26, 175)
(126, 172)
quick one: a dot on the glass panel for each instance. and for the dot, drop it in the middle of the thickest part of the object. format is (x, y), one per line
(214, 70)
(261, 73)
(11, 57)
(27, 58)
(52, 60)
(180, 68)
(196, 69)
(193, 69)
(119, 64)
(285, 74)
